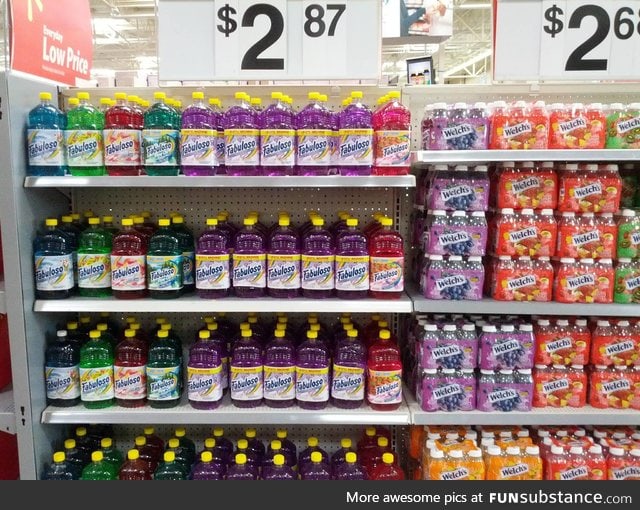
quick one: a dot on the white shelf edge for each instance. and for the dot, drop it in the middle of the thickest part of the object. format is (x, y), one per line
(226, 414)
(491, 306)
(485, 156)
(537, 416)
(7, 412)
(3, 298)
(222, 181)
(230, 304)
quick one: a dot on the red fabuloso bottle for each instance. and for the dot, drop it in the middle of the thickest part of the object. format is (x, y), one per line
(130, 368)
(384, 374)
(386, 252)
(134, 468)
(129, 263)
(388, 469)
(122, 139)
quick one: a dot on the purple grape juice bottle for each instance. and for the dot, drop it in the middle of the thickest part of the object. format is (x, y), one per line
(318, 262)
(213, 250)
(250, 261)
(356, 138)
(246, 372)
(283, 261)
(312, 373)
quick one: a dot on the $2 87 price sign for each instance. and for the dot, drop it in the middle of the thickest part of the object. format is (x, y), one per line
(269, 39)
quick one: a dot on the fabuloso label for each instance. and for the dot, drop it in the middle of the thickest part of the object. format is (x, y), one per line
(188, 263)
(278, 147)
(45, 147)
(63, 383)
(387, 274)
(198, 147)
(85, 148)
(165, 272)
(204, 384)
(393, 148)
(96, 384)
(250, 270)
(122, 147)
(314, 147)
(128, 273)
(94, 271)
(246, 383)
(356, 147)
(279, 383)
(352, 273)
(318, 272)
(212, 272)
(312, 384)
(347, 383)
(242, 147)
(163, 383)
(54, 272)
(283, 271)
(160, 147)
(130, 382)
(220, 147)
(385, 387)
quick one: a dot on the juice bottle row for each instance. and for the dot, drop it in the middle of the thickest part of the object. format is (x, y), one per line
(255, 363)
(536, 125)
(96, 457)
(166, 260)
(203, 139)
(519, 453)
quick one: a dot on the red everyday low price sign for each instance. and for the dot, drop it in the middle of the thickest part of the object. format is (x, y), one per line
(52, 39)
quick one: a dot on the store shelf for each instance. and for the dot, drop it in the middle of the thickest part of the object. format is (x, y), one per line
(3, 299)
(230, 305)
(544, 416)
(7, 412)
(467, 157)
(222, 181)
(491, 306)
(225, 414)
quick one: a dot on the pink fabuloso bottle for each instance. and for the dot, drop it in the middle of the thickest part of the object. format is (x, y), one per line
(386, 249)
(356, 138)
(198, 138)
(384, 374)
(388, 469)
(250, 261)
(246, 377)
(122, 139)
(392, 138)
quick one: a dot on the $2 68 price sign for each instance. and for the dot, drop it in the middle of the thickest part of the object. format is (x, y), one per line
(269, 39)
(590, 38)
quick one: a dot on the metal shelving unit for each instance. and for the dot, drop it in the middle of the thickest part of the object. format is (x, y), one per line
(226, 414)
(223, 181)
(7, 412)
(491, 156)
(196, 305)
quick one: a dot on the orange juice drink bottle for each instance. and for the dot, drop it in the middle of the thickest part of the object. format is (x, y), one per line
(533, 461)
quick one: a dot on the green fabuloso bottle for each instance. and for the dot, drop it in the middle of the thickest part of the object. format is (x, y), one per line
(83, 138)
(170, 468)
(96, 372)
(160, 138)
(94, 261)
(164, 263)
(99, 469)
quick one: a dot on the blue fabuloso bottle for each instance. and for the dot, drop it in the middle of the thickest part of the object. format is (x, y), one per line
(53, 262)
(45, 135)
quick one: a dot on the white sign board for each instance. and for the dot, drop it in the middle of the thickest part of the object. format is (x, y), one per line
(204, 40)
(567, 40)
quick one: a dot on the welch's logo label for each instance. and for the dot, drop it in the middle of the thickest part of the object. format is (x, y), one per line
(525, 184)
(456, 474)
(450, 281)
(455, 191)
(517, 470)
(628, 125)
(523, 281)
(501, 395)
(521, 235)
(556, 345)
(572, 474)
(518, 129)
(594, 188)
(446, 391)
(576, 282)
(504, 347)
(617, 385)
(572, 125)
(627, 472)
(446, 351)
(588, 237)
(619, 348)
(632, 283)
(453, 238)
(635, 238)
(557, 385)
(457, 131)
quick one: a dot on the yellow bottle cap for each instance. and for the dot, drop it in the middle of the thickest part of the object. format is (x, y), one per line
(352, 333)
(69, 443)
(278, 459)
(51, 222)
(314, 96)
(312, 442)
(386, 222)
(45, 96)
(204, 335)
(324, 98)
(345, 442)
(243, 444)
(72, 325)
(107, 219)
(206, 457)
(385, 334)
(370, 431)
(394, 94)
(383, 324)
(256, 101)
(97, 456)
(250, 433)
(73, 101)
(94, 334)
(351, 457)
(279, 333)
(59, 457)
(218, 432)
(181, 432)
(164, 222)
(102, 327)
(209, 443)
(276, 95)
(352, 222)
(163, 333)
(197, 95)
(387, 458)
(241, 459)
(169, 456)
(314, 327)
(106, 442)
(312, 335)
(129, 333)
(127, 222)
(246, 333)
(357, 94)
(94, 221)
(383, 441)
(212, 326)
(178, 220)
(120, 96)
(133, 454)
(174, 442)
(159, 95)
(66, 219)
(105, 101)
(317, 222)
(240, 95)
(140, 441)
(316, 457)
(215, 101)
(212, 222)
(276, 444)
(244, 326)
(284, 221)
(281, 434)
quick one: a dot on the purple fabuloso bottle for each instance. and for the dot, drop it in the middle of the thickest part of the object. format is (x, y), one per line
(356, 138)
(315, 138)
(206, 469)
(349, 364)
(304, 458)
(212, 262)
(249, 261)
(204, 373)
(352, 263)
(218, 115)
(278, 138)
(318, 262)
(312, 373)
(279, 470)
(350, 470)
(283, 261)
(246, 378)
(242, 138)
(198, 138)
(218, 337)
(316, 469)
(279, 371)
(241, 470)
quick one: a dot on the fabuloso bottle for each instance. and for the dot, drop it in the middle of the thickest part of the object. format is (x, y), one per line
(187, 245)
(164, 372)
(45, 135)
(204, 373)
(352, 263)
(212, 273)
(53, 260)
(242, 138)
(94, 261)
(160, 138)
(129, 263)
(318, 261)
(249, 261)
(356, 138)
(130, 371)
(246, 377)
(96, 372)
(314, 138)
(277, 138)
(283, 261)
(279, 371)
(83, 138)
(164, 263)
(122, 139)
(198, 138)
(312, 373)
(62, 376)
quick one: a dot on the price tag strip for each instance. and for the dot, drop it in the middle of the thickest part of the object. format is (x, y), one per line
(275, 39)
(567, 40)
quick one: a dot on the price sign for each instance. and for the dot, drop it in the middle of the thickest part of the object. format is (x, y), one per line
(274, 39)
(567, 40)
